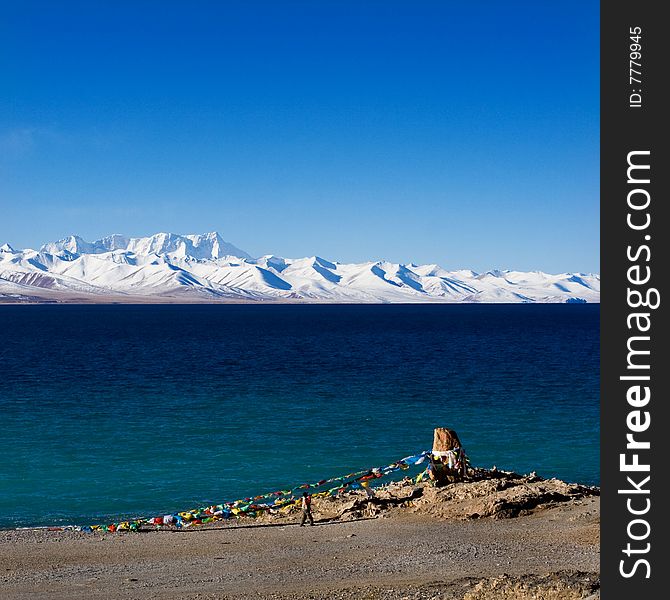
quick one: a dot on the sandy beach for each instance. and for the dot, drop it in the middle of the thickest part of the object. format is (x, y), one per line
(504, 537)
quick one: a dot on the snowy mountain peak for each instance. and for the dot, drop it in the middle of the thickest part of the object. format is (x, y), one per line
(495, 273)
(199, 246)
(116, 241)
(275, 262)
(72, 244)
(7, 248)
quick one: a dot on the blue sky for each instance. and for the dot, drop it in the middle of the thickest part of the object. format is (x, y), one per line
(461, 133)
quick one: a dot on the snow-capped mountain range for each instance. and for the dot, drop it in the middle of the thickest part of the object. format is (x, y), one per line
(169, 267)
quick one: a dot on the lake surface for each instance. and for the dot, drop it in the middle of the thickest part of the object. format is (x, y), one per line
(111, 411)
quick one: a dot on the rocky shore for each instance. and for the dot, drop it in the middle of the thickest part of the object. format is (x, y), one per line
(497, 535)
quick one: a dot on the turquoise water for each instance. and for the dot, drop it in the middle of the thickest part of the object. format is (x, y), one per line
(113, 411)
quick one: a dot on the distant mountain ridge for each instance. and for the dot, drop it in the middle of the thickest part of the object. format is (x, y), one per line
(208, 245)
(204, 267)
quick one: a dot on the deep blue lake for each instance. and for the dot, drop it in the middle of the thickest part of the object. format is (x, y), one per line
(112, 411)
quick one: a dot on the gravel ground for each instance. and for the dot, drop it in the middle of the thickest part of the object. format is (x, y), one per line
(550, 554)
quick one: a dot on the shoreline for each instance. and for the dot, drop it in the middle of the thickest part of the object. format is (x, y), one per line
(505, 536)
(384, 494)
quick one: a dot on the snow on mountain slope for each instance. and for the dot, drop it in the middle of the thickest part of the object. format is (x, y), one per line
(240, 275)
(206, 267)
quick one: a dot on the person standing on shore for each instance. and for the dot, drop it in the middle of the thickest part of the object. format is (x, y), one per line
(306, 509)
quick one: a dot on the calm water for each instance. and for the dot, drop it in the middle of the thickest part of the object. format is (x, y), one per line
(142, 410)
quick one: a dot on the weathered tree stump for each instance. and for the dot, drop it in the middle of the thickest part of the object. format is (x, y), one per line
(448, 460)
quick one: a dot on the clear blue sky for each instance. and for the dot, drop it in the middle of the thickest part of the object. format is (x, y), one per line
(462, 133)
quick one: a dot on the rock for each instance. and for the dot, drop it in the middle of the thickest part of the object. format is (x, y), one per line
(498, 495)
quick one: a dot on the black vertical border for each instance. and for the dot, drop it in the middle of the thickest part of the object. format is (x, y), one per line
(625, 129)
